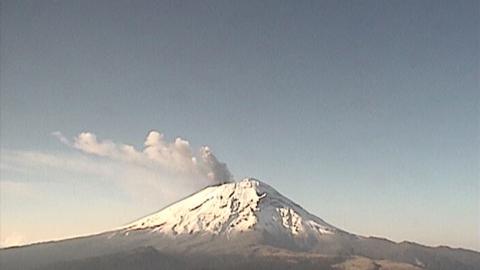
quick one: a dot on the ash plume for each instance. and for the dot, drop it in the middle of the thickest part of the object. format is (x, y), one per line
(176, 159)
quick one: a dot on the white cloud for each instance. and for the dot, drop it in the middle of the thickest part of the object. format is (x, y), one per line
(143, 184)
(160, 172)
(88, 143)
(174, 158)
(60, 137)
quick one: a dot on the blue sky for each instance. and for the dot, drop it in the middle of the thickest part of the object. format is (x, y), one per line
(365, 113)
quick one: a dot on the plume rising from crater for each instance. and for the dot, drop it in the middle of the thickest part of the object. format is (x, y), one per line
(176, 158)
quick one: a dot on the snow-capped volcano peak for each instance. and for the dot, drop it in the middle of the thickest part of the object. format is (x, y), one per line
(250, 223)
(248, 205)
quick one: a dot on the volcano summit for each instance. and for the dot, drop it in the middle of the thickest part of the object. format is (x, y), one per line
(234, 208)
(239, 225)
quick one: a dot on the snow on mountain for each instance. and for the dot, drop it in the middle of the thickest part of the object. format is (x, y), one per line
(218, 226)
(232, 208)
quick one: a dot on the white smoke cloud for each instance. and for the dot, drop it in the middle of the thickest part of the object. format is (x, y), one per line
(217, 171)
(176, 158)
(60, 137)
(88, 143)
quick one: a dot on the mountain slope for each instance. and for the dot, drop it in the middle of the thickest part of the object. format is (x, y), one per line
(233, 208)
(248, 222)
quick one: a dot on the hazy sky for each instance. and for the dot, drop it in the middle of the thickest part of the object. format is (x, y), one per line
(364, 112)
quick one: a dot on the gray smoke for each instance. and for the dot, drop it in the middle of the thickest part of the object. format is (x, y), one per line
(174, 158)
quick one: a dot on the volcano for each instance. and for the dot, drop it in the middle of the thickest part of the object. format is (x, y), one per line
(232, 209)
(238, 225)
